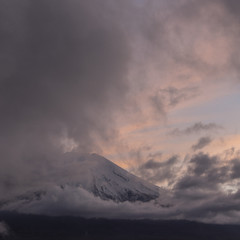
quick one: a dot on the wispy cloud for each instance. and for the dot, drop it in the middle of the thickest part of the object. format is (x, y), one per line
(165, 99)
(202, 142)
(196, 128)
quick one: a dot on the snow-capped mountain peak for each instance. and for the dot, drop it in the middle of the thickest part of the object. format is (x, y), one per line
(88, 175)
(106, 180)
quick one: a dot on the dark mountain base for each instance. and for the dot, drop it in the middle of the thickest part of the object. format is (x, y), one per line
(73, 228)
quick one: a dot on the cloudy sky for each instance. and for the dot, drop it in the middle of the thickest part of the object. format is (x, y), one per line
(152, 85)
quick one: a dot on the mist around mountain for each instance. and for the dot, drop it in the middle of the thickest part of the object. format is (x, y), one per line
(91, 186)
(103, 201)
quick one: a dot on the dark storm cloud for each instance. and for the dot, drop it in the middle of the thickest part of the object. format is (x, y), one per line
(159, 171)
(201, 189)
(202, 163)
(63, 72)
(152, 164)
(235, 174)
(203, 172)
(202, 142)
(196, 128)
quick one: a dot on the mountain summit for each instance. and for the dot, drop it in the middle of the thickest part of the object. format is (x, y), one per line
(106, 180)
(81, 179)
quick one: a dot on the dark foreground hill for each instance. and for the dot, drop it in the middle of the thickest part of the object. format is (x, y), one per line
(32, 227)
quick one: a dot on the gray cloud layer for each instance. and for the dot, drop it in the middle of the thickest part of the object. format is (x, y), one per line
(64, 72)
(207, 190)
(158, 172)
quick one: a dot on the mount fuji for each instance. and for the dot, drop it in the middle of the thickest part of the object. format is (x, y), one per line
(106, 180)
(95, 175)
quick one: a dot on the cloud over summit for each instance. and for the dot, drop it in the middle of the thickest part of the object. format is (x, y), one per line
(65, 73)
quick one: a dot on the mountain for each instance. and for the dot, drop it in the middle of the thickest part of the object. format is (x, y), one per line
(94, 174)
(106, 180)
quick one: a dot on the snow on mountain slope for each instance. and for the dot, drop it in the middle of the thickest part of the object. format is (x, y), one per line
(106, 180)
(94, 174)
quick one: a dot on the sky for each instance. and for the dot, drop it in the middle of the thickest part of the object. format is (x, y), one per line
(151, 85)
